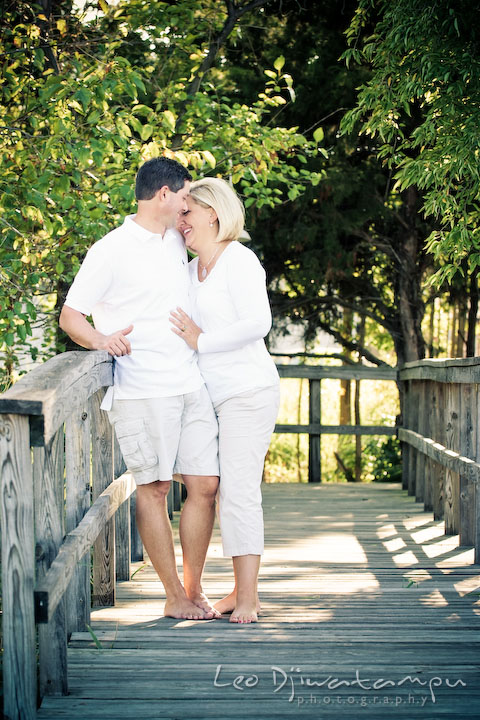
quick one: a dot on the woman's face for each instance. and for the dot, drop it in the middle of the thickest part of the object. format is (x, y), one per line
(194, 224)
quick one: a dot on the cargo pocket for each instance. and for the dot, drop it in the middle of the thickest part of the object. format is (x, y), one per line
(137, 449)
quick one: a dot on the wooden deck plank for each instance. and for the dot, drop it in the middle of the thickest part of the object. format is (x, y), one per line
(368, 609)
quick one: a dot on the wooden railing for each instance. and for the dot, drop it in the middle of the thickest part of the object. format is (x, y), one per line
(62, 482)
(64, 490)
(441, 442)
(314, 428)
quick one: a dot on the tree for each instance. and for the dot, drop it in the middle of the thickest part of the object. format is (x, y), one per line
(351, 243)
(84, 100)
(422, 103)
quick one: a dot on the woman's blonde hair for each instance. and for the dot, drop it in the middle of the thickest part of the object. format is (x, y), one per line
(219, 195)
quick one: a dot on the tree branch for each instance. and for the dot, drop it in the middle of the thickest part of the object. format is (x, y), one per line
(234, 12)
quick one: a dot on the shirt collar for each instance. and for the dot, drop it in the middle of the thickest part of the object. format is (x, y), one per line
(141, 233)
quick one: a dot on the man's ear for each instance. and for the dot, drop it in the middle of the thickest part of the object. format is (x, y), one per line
(163, 193)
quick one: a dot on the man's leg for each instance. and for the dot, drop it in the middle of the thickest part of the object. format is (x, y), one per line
(156, 533)
(196, 523)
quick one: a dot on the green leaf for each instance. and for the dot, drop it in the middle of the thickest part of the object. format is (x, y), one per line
(170, 120)
(279, 63)
(318, 135)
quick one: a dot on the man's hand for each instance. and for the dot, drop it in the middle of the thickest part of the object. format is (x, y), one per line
(75, 324)
(116, 343)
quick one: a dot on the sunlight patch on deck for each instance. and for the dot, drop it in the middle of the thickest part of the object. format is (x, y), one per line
(405, 559)
(464, 558)
(413, 522)
(430, 533)
(324, 548)
(434, 599)
(386, 531)
(444, 546)
(395, 544)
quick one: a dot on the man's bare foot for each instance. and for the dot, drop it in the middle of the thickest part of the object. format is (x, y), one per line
(202, 602)
(184, 609)
(244, 614)
(227, 604)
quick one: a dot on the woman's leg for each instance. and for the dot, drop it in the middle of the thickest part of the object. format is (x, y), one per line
(246, 569)
(245, 426)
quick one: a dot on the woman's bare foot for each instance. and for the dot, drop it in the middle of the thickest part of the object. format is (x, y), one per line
(244, 614)
(227, 604)
(202, 602)
(183, 608)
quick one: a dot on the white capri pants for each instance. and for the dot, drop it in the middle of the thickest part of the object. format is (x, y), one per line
(246, 423)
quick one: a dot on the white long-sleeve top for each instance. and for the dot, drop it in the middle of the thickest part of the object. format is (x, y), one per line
(231, 307)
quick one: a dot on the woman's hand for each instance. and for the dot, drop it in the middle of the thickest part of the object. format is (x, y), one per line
(185, 327)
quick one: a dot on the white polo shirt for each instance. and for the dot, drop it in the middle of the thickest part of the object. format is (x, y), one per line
(135, 277)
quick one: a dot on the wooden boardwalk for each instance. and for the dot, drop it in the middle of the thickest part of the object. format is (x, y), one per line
(369, 611)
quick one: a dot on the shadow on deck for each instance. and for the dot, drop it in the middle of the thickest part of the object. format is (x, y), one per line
(369, 610)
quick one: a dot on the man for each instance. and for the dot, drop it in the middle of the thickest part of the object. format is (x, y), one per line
(129, 282)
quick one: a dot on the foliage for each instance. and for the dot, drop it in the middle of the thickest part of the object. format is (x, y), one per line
(422, 104)
(383, 461)
(84, 99)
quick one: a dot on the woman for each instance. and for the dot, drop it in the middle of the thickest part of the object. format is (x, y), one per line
(230, 317)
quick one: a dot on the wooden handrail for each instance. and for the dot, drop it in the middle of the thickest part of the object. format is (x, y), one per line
(57, 455)
(441, 444)
(314, 428)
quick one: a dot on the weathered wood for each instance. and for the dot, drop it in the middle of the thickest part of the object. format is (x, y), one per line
(339, 372)
(452, 442)
(413, 419)
(422, 427)
(77, 478)
(442, 455)
(338, 569)
(438, 485)
(455, 370)
(18, 569)
(122, 520)
(314, 440)
(49, 392)
(317, 429)
(49, 592)
(428, 429)
(135, 539)
(48, 482)
(407, 422)
(468, 448)
(103, 592)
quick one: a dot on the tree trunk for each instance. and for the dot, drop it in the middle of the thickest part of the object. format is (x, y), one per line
(411, 344)
(472, 315)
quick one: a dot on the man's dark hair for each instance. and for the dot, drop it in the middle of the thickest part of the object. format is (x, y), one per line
(156, 173)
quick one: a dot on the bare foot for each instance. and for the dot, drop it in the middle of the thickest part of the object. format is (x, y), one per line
(227, 604)
(183, 608)
(244, 614)
(202, 602)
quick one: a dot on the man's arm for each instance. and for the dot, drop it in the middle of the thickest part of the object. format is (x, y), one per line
(75, 324)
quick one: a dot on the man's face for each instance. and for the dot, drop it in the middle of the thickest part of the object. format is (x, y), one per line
(178, 201)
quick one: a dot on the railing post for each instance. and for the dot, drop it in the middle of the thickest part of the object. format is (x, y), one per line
(102, 475)
(314, 441)
(48, 482)
(18, 569)
(438, 484)
(452, 442)
(135, 539)
(415, 386)
(122, 520)
(77, 474)
(468, 448)
(422, 427)
(406, 449)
